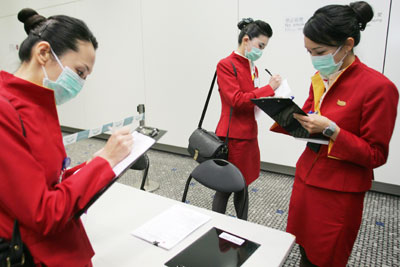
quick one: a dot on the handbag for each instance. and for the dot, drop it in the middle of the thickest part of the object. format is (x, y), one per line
(13, 253)
(203, 144)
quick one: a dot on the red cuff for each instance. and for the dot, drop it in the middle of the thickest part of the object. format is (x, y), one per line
(264, 91)
(72, 170)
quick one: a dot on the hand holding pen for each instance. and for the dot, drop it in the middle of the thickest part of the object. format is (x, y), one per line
(275, 80)
(118, 146)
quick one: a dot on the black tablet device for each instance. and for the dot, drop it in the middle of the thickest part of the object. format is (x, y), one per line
(215, 248)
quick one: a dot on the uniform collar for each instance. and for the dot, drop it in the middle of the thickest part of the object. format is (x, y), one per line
(241, 58)
(319, 85)
(26, 90)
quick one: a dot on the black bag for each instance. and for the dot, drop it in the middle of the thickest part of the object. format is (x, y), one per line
(204, 145)
(13, 253)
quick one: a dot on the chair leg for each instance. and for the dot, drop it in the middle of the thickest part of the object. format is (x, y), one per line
(186, 188)
(242, 211)
(145, 176)
(220, 202)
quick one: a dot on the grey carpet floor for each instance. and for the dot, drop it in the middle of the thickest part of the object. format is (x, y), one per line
(378, 242)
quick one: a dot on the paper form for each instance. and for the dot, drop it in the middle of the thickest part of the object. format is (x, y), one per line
(141, 143)
(284, 90)
(312, 140)
(171, 226)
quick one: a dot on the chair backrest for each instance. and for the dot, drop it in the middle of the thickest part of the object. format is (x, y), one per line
(219, 175)
(141, 163)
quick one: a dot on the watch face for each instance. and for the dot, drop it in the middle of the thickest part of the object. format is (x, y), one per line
(328, 132)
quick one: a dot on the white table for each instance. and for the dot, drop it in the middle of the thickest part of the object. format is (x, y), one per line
(122, 209)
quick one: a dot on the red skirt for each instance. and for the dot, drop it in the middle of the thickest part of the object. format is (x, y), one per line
(325, 222)
(245, 155)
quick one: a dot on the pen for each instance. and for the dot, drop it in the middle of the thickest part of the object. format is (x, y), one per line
(268, 72)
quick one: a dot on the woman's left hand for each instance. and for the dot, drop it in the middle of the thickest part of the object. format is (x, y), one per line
(313, 123)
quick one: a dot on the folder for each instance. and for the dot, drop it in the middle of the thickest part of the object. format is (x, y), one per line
(142, 143)
(281, 110)
(215, 248)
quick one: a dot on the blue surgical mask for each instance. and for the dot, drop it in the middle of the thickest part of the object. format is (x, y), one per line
(326, 64)
(67, 85)
(254, 54)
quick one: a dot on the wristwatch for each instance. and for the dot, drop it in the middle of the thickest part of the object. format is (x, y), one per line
(328, 131)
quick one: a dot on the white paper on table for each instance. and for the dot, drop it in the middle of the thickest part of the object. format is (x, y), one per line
(284, 90)
(312, 140)
(171, 226)
(141, 143)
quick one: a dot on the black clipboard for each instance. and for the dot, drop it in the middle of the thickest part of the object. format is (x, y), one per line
(152, 132)
(281, 110)
(212, 250)
(101, 191)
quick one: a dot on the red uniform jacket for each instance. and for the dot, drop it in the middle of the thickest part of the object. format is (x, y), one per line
(236, 92)
(363, 103)
(30, 168)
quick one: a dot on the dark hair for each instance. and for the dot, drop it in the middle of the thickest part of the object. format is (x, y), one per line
(253, 28)
(62, 33)
(331, 25)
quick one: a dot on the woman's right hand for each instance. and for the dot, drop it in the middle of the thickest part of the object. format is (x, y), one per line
(275, 81)
(118, 146)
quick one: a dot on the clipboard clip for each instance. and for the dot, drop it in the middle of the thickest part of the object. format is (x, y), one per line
(149, 131)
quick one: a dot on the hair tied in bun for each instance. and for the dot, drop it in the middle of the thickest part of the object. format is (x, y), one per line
(244, 22)
(363, 12)
(30, 18)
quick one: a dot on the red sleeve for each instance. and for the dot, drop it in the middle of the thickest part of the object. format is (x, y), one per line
(370, 149)
(24, 193)
(72, 170)
(231, 91)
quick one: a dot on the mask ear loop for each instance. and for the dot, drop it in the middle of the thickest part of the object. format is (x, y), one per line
(334, 54)
(337, 51)
(58, 61)
(45, 73)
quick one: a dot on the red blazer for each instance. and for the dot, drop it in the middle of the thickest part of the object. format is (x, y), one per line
(363, 103)
(236, 92)
(30, 168)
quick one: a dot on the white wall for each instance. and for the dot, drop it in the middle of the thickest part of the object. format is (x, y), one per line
(389, 173)
(164, 53)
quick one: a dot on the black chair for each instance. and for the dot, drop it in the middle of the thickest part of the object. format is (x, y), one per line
(142, 164)
(219, 175)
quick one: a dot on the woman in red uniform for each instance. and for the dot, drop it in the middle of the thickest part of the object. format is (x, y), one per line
(355, 107)
(35, 189)
(238, 83)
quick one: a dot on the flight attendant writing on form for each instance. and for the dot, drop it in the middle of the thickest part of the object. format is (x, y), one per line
(35, 188)
(238, 83)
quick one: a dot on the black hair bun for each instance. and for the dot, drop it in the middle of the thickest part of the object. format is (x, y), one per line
(364, 13)
(244, 22)
(30, 18)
